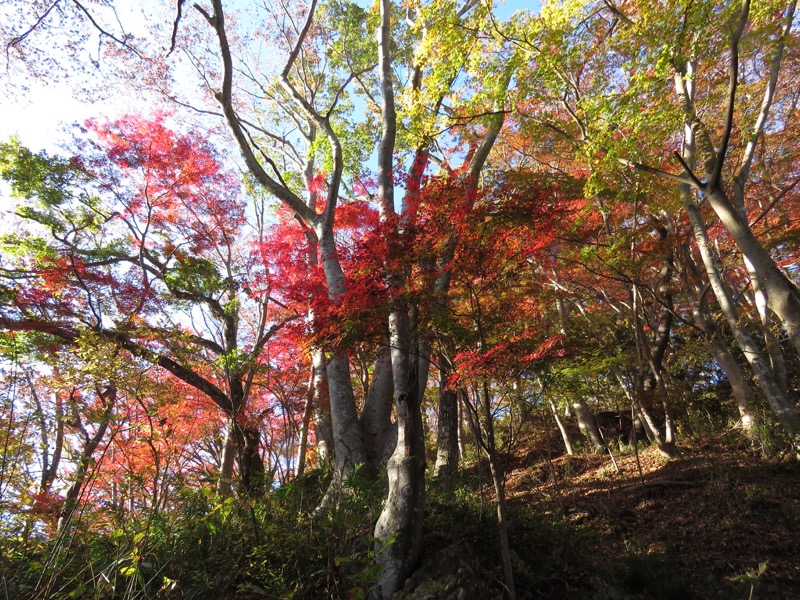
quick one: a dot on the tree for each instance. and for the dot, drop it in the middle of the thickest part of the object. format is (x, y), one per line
(160, 239)
(626, 75)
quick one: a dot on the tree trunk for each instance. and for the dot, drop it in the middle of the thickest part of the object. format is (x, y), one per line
(50, 462)
(349, 448)
(323, 422)
(398, 530)
(498, 479)
(252, 475)
(785, 410)
(225, 481)
(742, 391)
(304, 427)
(588, 425)
(783, 296)
(562, 428)
(447, 426)
(109, 395)
(774, 350)
(376, 416)
(424, 357)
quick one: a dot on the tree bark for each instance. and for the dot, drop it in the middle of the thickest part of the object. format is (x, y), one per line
(773, 346)
(742, 392)
(783, 296)
(323, 422)
(225, 481)
(562, 428)
(399, 526)
(447, 426)
(302, 451)
(252, 475)
(376, 416)
(349, 448)
(740, 387)
(785, 410)
(588, 424)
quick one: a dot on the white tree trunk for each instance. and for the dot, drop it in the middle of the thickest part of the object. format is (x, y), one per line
(562, 428)
(785, 410)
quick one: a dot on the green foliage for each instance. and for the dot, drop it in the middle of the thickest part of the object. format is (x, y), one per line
(48, 179)
(766, 438)
(207, 546)
(195, 275)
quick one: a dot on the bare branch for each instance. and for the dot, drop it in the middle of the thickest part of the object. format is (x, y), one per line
(658, 172)
(468, 5)
(688, 170)
(775, 200)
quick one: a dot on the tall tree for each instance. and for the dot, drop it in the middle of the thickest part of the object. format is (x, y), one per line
(155, 236)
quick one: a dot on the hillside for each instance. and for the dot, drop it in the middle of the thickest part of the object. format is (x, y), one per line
(697, 526)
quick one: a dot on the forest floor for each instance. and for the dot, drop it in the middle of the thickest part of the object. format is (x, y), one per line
(695, 526)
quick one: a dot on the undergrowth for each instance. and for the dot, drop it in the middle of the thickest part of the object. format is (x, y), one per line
(577, 530)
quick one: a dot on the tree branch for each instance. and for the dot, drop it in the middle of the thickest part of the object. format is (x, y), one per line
(175, 26)
(736, 36)
(300, 39)
(225, 98)
(122, 43)
(21, 38)
(71, 336)
(769, 92)
(657, 172)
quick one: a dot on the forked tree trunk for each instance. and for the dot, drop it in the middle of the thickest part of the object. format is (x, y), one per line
(785, 410)
(782, 295)
(399, 528)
